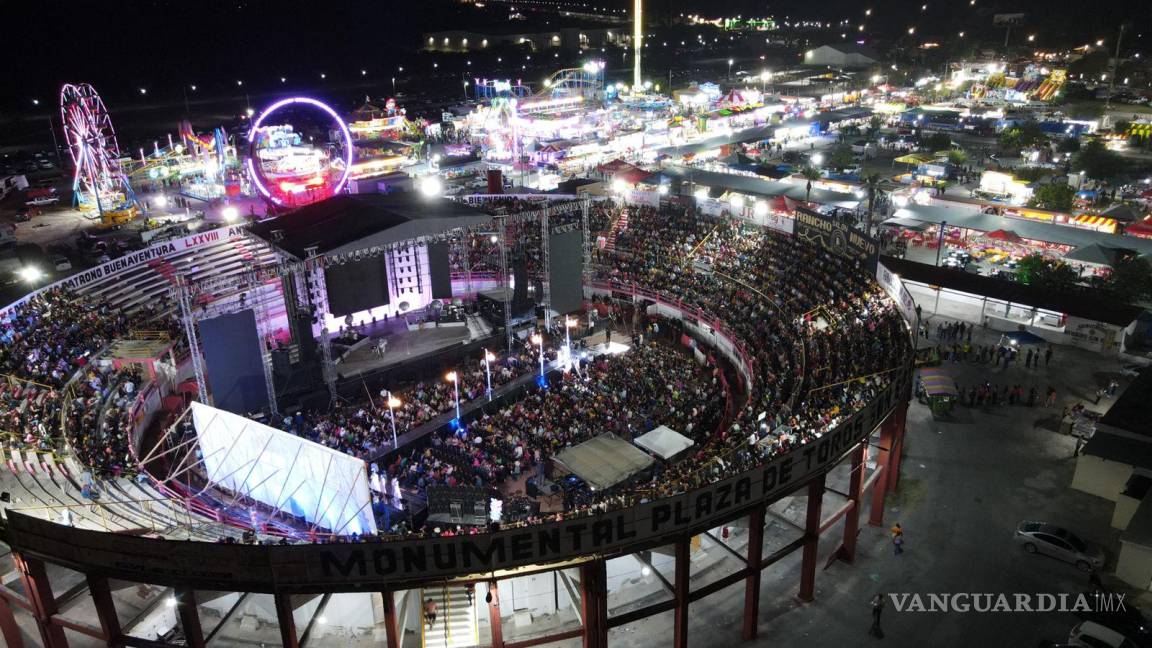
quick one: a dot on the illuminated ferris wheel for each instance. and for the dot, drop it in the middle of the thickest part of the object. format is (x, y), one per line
(98, 180)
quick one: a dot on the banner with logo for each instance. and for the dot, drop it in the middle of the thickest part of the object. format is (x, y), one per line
(838, 236)
(352, 566)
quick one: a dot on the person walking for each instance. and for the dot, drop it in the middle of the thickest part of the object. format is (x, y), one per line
(898, 539)
(1028, 359)
(1050, 401)
(1079, 446)
(1048, 355)
(877, 610)
(430, 612)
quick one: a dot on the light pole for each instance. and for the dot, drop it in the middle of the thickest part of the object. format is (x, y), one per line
(393, 403)
(455, 380)
(569, 324)
(730, 61)
(940, 241)
(538, 340)
(393, 86)
(488, 359)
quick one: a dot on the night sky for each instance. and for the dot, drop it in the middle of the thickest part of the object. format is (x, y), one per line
(164, 44)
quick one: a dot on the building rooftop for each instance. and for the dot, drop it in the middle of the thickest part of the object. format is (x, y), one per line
(350, 222)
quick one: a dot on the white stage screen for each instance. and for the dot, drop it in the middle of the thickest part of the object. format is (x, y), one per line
(321, 485)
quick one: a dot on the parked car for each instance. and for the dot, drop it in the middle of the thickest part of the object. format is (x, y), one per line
(1127, 620)
(1089, 634)
(1059, 543)
(61, 262)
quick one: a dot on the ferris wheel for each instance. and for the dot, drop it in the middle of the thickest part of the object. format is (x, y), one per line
(98, 180)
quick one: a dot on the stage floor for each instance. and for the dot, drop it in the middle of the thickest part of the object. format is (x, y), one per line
(401, 347)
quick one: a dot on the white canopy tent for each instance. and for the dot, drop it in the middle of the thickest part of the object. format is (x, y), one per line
(664, 442)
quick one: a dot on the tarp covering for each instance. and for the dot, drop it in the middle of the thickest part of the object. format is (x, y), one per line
(1098, 254)
(664, 442)
(604, 461)
(937, 383)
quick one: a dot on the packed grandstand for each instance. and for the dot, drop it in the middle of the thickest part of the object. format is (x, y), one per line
(815, 336)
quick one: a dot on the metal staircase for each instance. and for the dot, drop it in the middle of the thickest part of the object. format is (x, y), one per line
(456, 625)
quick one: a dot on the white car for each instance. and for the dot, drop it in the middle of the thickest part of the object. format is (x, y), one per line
(61, 262)
(45, 200)
(1089, 634)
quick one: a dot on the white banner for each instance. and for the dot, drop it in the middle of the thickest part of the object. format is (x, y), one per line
(110, 269)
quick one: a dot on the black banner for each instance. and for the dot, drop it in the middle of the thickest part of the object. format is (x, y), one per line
(350, 567)
(837, 235)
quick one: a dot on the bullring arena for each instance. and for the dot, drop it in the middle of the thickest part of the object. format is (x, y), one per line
(503, 472)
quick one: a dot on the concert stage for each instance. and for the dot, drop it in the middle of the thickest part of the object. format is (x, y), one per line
(382, 350)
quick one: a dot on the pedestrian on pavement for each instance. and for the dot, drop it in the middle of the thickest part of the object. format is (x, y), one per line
(430, 612)
(898, 539)
(1112, 387)
(1028, 359)
(1051, 400)
(1079, 446)
(1048, 356)
(877, 609)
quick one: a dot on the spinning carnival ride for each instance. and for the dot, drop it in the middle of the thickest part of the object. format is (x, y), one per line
(292, 167)
(99, 182)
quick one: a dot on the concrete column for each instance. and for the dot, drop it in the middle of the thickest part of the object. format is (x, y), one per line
(855, 493)
(680, 585)
(189, 618)
(898, 420)
(594, 603)
(880, 486)
(8, 628)
(494, 615)
(286, 621)
(811, 539)
(105, 609)
(39, 592)
(751, 628)
(391, 625)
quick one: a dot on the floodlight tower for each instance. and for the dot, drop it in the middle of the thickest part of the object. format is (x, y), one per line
(637, 42)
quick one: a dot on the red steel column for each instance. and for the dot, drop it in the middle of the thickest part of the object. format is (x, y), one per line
(680, 613)
(811, 539)
(286, 620)
(189, 618)
(899, 419)
(8, 628)
(105, 609)
(39, 592)
(594, 603)
(494, 615)
(751, 627)
(391, 625)
(880, 486)
(855, 493)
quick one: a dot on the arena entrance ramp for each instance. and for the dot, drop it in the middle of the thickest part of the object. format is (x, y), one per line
(456, 622)
(664, 442)
(604, 461)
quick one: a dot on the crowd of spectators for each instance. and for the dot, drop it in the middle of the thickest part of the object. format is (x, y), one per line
(818, 335)
(55, 393)
(362, 429)
(626, 395)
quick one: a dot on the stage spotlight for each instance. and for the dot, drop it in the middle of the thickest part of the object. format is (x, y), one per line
(230, 214)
